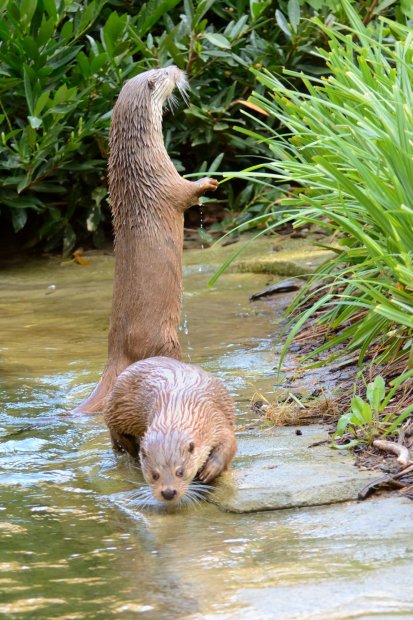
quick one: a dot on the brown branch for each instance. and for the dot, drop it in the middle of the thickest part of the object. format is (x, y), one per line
(370, 12)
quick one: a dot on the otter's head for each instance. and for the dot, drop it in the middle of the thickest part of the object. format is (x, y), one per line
(169, 464)
(157, 85)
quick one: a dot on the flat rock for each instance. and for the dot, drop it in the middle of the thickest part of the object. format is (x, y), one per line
(293, 257)
(278, 469)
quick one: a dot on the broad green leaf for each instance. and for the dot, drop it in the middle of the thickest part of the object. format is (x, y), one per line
(257, 7)
(282, 23)
(27, 9)
(343, 423)
(19, 219)
(35, 121)
(294, 13)
(362, 414)
(217, 39)
(376, 392)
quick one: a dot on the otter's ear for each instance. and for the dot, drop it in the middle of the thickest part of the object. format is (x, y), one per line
(143, 453)
(151, 84)
(191, 447)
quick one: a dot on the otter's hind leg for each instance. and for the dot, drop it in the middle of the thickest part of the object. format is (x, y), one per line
(219, 459)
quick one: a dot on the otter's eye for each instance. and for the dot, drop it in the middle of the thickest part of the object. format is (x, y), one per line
(155, 475)
(179, 473)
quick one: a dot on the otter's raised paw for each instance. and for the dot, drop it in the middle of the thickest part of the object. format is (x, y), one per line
(207, 185)
(212, 468)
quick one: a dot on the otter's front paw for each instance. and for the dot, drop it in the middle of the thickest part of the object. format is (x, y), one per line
(212, 468)
(206, 185)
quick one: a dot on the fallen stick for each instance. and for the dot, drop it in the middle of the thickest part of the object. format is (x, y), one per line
(276, 289)
(402, 453)
(388, 481)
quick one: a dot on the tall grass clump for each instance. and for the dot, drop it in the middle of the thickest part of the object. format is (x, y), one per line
(345, 149)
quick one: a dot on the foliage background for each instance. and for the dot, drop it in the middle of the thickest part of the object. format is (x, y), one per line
(63, 62)
(344, 150)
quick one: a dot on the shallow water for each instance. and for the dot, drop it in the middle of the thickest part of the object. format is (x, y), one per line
(73, 542)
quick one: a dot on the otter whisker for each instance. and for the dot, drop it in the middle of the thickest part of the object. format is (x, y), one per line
(189, 499)
(142, 494)
(172, 103)
(201, 496)
(201, 491)
(183, 87)
(194, 494)
(201, 486)
(144, 501)
(197, 496)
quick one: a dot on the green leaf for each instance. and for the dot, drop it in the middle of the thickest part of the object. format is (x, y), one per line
(376, 392)
(362, 413)
(217, 39)
(343, 423)
(282, 23)
(27, 9)
(41, 102)
(216, 163)
(19, 219)
(347, 446)
(202, 8)
(257, 7)
(35, 122)
(151, 12)
(50, 7)
(28, 89)
(384, 5)
(294, 13)
(399, 420)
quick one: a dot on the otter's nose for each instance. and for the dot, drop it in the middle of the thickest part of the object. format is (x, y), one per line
(168, 493)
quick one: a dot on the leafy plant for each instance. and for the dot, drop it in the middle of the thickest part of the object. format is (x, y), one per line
(55, 85)
(367, 419)
(345, 151)
(63, 64)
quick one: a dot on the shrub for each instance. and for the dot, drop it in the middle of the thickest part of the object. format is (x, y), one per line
(63, 64)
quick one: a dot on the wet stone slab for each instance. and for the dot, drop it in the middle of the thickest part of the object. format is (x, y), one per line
(277, 469)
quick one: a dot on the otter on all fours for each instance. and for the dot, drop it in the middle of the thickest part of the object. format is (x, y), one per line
(148, 198)
(179, 420)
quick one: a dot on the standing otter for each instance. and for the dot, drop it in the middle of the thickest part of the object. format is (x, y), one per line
(148, 199)
(183, 419)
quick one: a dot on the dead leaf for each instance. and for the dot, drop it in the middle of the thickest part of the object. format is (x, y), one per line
(252, 106)
(79, 259)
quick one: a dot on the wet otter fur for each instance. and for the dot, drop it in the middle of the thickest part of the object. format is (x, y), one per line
(178, 419)
(148, 198)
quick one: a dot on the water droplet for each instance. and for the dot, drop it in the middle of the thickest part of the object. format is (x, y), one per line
(201, 225)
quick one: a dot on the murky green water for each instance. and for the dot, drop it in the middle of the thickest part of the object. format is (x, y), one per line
(73, 543)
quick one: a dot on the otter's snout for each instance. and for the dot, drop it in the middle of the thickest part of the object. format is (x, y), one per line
(168, 493)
